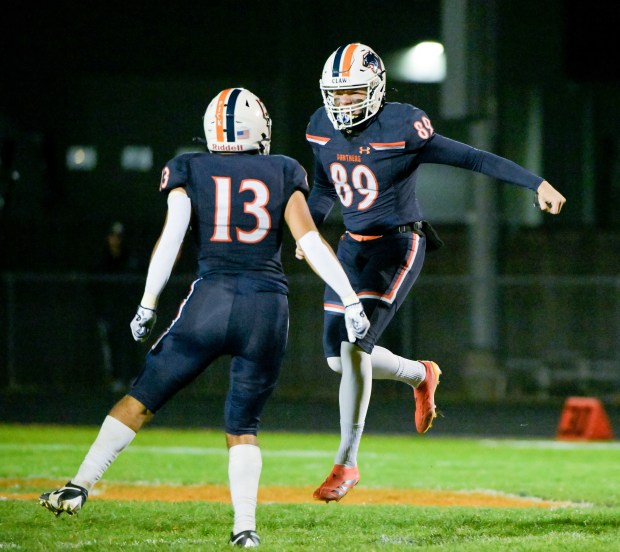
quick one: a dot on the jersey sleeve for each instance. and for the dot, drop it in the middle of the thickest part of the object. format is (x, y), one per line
(175, 173)
(419, 128)
(444, 151)
(295, 177)
(322, 196)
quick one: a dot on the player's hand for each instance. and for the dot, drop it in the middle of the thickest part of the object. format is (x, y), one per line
(299, 253)
(356, 322)
(143, 323)
(549, 199)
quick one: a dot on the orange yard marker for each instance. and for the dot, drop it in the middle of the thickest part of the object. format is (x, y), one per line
(584, 418)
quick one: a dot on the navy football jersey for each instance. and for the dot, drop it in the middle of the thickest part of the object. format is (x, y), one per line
(238, 203)
(372, 172)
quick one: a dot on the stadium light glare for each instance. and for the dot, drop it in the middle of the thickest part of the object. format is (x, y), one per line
(81, 158)
(137, 158)
(424, 62)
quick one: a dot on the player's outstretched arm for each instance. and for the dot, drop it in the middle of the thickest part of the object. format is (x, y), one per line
(549, 199)
(321, 258)
(164, 256)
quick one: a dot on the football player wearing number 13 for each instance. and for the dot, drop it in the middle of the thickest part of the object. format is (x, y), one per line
(367, 152)
(237, 202)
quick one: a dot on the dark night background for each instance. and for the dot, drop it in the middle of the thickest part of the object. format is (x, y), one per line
(113, 74)
(119, 73)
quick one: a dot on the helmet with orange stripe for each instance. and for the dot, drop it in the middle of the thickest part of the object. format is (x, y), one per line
(235, 121)
(354, 68)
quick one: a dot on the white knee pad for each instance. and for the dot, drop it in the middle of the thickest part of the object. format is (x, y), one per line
(335, 364)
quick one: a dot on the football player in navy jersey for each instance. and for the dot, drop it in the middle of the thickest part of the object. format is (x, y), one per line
(367, 152)
(237, 202)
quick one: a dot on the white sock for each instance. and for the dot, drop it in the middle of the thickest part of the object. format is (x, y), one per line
(114, 437)
(354, 397)
(387, 365)
(244, 467)
(350, 437)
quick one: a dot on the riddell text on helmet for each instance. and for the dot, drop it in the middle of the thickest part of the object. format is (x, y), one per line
(227, 147)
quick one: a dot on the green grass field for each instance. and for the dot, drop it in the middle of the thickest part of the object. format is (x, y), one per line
(586, 475)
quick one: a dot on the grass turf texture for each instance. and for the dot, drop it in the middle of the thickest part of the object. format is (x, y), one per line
(585, 474)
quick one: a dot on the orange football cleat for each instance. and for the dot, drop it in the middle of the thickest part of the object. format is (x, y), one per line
(424, 394)
(338, 483)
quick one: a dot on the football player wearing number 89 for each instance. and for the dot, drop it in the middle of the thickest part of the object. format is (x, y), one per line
(367, 152)
(238, 202)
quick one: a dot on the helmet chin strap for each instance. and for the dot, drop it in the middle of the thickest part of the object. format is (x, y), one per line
(356, 128)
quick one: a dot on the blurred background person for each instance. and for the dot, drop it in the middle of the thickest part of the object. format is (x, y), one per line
(113, 293)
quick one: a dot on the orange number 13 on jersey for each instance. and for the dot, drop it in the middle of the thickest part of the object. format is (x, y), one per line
(255, 207)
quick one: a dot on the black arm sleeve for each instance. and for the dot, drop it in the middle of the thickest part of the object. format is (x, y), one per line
(444, 151)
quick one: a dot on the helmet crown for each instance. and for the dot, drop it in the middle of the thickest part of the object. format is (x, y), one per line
(236, 120)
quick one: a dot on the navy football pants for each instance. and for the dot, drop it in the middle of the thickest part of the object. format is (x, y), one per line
(382, 271)
(223, 315)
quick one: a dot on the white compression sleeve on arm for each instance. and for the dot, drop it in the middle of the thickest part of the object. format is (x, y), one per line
(165, 254)
(327, 266)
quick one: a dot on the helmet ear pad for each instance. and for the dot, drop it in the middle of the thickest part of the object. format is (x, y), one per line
(353, 66)
(235, 121)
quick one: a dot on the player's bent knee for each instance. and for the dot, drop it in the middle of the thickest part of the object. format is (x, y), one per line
(131, 412)
(335, 364)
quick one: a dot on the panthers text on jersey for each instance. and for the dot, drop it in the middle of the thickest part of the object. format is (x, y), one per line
(238, 202)
(372, 171)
